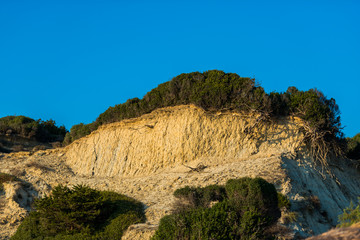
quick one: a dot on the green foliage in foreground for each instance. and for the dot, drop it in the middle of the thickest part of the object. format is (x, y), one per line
(350, 215)
(4, 177)
(215, 90)
(80, 213)
(43, 131)
(245, 208)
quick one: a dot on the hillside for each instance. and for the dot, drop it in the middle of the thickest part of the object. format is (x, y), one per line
(216, 90)
(149, 157)
(20, 133)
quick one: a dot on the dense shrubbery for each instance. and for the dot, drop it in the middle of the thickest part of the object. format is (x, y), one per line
(350, 215)
(199, 197)
(214, 90)
(242, 209)
(43, 131)
(80, 213)
(77, 131)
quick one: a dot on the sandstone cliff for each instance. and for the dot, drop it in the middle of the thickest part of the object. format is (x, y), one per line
(149, 157)
(172, 136)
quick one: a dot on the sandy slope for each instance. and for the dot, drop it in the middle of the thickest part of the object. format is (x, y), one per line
(148, 158)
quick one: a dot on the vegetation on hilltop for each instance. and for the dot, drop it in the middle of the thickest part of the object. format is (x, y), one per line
(80, 213)
(20, 133)
(42, 131)
(244, 208)
(215, 90)
(353, 147)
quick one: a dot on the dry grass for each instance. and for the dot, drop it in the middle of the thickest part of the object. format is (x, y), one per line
(281, 232)
(4, 177)
(288, 217)
(40, 166)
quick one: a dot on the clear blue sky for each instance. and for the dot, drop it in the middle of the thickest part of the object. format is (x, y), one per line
(70, 60)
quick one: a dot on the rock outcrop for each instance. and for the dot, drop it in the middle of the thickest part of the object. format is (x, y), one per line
(171, 136)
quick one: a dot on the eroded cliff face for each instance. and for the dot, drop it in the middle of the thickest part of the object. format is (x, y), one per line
(179, 135)
(148, 158)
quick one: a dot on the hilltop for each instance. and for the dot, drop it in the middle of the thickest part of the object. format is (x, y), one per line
(216, 90)
(20, 133)
(226, 128)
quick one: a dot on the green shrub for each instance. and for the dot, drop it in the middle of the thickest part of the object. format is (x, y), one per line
(248, 193)
(283, 201)
(200, 223)
(199, 197)
(213, 193)
(245, 209)
(80, 213)
(350, 215)
(193, 196)
(76, 132)
(315, 108)
(353, 147)
(43, 131)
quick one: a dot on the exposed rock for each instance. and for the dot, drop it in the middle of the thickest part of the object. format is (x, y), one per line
(16, 203)
(149, 157)
(178, 135)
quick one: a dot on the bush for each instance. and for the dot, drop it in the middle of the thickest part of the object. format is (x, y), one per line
(80, 213)
(76, 132)
(353, 147)
(191, 197)
(350, 215)
(43, 131)
(283, 201)
(200, 223)
(246, 208)
(248, 193)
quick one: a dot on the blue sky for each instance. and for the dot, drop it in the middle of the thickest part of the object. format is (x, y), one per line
(70, 60)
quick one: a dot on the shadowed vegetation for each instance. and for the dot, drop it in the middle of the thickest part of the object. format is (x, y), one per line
(42, 131)
(80, 213)
(353, 147)
(244, 208)
(20, 133)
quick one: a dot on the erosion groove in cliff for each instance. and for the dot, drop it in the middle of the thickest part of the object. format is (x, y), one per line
(178, 135)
